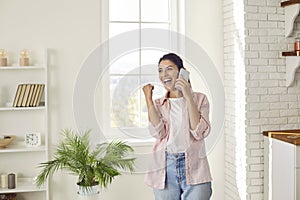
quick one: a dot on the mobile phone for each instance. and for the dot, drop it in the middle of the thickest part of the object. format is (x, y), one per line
(184, 73)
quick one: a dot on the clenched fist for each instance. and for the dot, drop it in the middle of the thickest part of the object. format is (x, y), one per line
(147, 89)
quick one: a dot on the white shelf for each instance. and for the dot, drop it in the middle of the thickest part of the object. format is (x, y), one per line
(19, 148)
(292, 64)
(291, 13)
(24, 185)
(21, 108)
(21, 67)
(140, 142)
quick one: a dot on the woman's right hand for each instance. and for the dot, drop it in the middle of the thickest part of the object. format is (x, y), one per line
(147, 89)
(152, 113)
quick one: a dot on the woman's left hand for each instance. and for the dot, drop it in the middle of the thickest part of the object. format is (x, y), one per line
(184, 86)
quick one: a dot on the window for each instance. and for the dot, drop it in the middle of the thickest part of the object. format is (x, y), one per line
(121, 85)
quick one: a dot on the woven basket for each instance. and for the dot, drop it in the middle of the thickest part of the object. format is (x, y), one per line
(11, 196)
(7, 140)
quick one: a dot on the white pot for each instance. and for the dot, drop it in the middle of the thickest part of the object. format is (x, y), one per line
(91, 193)
(89, 197)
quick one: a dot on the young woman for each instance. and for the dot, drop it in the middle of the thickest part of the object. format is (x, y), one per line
(179, 121)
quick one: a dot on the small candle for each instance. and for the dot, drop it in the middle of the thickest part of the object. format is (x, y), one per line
(11, 181)
(4, 180)
(3, 59)
(24, 60)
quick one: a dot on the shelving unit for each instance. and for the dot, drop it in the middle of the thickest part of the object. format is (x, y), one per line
(16, 157)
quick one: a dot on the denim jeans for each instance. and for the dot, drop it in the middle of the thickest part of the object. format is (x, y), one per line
(175, 185)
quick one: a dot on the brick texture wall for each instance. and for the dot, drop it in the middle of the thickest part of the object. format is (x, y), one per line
(269, 104)
(234, 83)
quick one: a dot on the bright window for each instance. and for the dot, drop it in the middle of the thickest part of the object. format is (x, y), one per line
(121, 86)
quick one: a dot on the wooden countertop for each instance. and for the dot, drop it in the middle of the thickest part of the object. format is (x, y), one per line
(290, 136)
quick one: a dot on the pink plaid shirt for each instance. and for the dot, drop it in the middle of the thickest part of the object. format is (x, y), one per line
(197, 167)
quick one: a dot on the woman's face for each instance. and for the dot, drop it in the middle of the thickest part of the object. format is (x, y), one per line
(168, 73)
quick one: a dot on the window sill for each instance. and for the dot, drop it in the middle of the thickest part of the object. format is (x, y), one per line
(139, 142)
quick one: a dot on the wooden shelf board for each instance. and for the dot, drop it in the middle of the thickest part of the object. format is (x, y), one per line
(288, 3)
(291, 53)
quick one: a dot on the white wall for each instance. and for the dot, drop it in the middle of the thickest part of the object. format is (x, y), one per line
(204, 25)
(71, 29)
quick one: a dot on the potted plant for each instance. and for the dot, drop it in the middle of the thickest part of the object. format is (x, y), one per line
(95, 167)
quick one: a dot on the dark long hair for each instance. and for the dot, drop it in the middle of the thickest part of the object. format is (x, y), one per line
(174, 58)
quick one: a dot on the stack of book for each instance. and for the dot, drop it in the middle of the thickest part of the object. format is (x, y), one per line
(28, 95)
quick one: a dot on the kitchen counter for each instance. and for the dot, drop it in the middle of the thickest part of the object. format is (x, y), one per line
(290, 136)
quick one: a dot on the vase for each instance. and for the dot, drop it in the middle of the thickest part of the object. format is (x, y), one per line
(88, 193)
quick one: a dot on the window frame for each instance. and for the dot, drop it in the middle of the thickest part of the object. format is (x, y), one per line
(176, 24)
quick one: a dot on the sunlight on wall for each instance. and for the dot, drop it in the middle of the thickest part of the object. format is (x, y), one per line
(240, 99)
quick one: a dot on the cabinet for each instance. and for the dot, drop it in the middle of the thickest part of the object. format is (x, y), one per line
(282, 167)
(17, 158)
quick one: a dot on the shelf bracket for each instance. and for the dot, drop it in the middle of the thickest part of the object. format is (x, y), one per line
(292, 64)
(291, 13)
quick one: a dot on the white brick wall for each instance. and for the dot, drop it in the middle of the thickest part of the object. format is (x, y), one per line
(270, 104)
(232, 43)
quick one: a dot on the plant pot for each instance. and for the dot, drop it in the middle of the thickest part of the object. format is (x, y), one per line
(88, 197)
(88, 193)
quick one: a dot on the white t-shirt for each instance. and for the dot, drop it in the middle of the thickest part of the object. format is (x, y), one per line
(178, 131)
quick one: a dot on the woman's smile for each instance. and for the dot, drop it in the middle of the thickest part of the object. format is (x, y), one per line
(168, 73)
(167, 80)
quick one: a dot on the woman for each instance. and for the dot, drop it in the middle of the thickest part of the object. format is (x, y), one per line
(179, 121)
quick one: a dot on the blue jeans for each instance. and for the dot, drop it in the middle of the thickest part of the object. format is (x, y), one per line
(175, 185)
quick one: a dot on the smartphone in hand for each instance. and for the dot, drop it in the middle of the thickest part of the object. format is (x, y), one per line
(184, 73)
